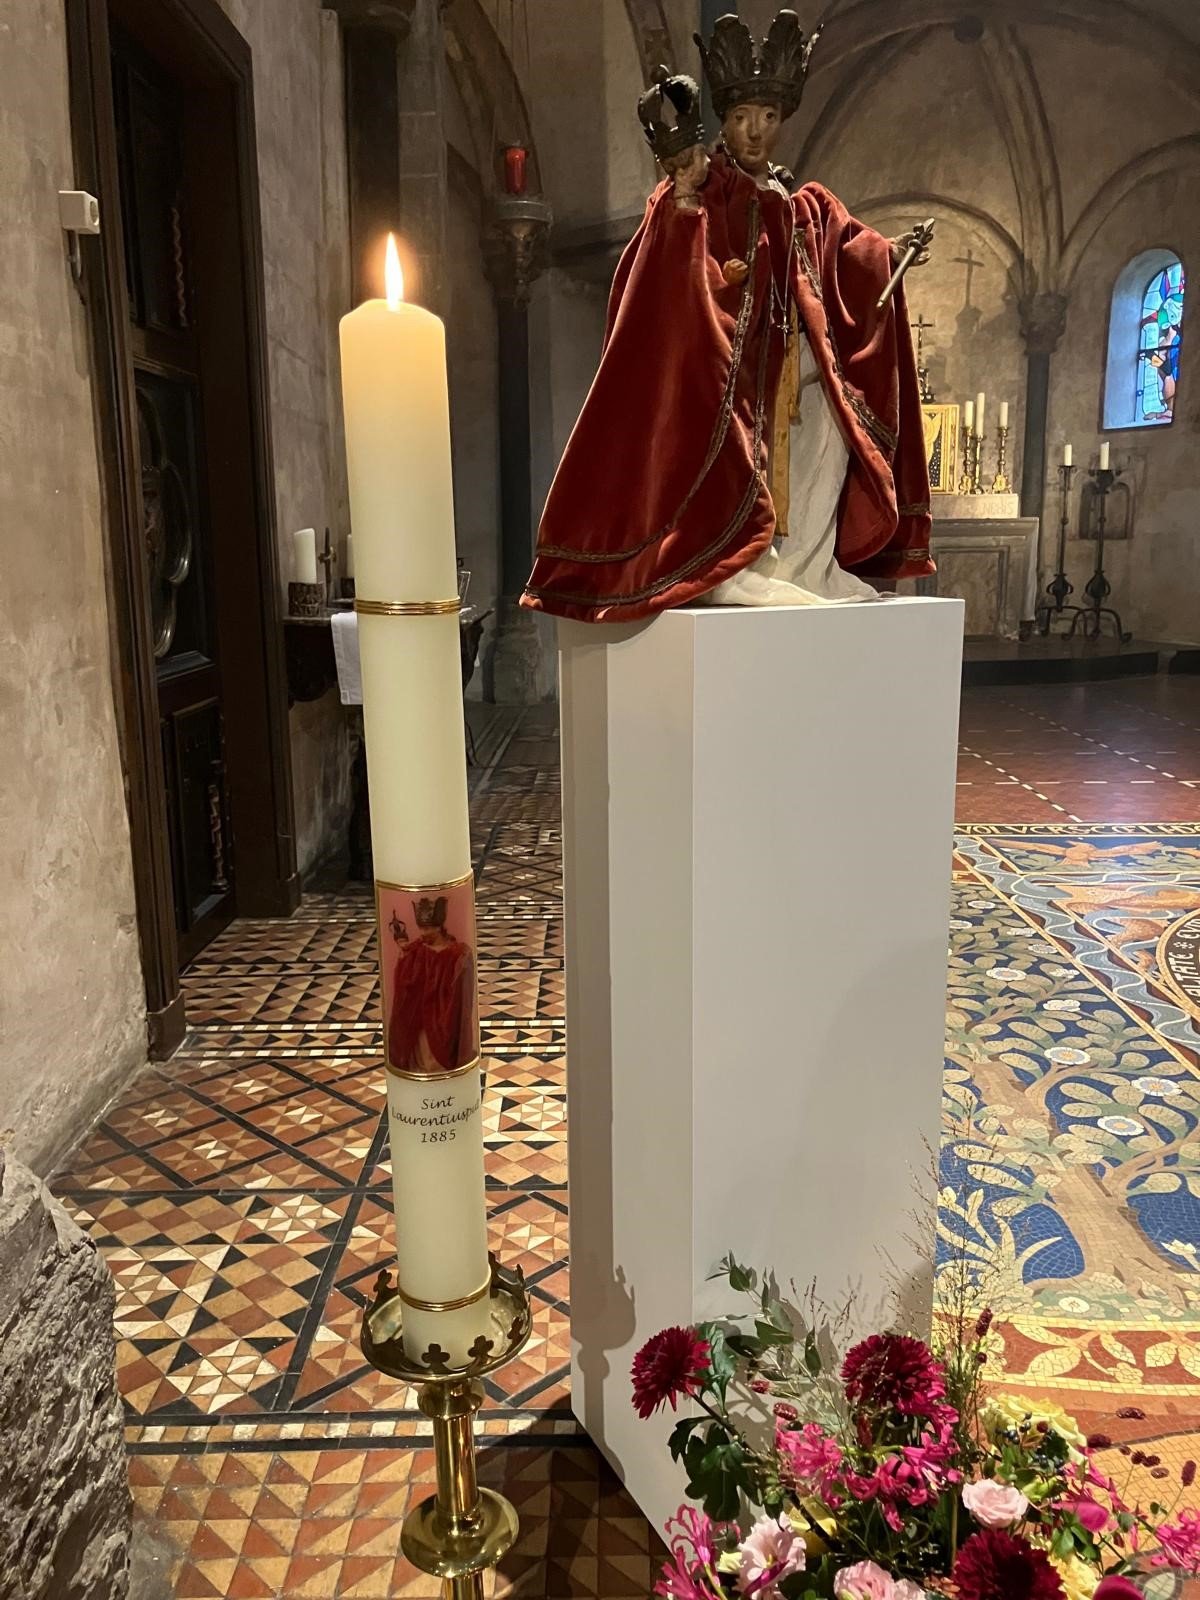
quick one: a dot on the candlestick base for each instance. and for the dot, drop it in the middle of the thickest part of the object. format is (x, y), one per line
(306, 599)
(463, 1530)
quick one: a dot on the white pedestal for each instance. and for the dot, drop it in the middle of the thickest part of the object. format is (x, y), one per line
(758, 815)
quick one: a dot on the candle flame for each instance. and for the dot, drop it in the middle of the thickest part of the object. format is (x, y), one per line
(393, 276)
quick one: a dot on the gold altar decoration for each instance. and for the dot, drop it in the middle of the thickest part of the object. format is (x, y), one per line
(942, 443)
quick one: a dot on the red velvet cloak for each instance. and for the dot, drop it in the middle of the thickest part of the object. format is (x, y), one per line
(662, 491)
(432, 996)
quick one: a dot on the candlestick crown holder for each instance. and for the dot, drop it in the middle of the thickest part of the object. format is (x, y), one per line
(306, 599)
(463, 1530)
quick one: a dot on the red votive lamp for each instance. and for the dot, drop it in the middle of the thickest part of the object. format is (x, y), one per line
(516, 161)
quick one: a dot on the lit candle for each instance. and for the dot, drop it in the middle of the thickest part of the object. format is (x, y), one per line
(348, 568)
(979, 399)
(969, 416)
(1104, 456)
(401, 504)
(1068, 456)
(1004, 413)
(304, 555)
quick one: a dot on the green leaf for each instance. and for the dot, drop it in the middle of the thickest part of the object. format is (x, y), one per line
(769, 1334)
(681, 1434)
(812, 1356)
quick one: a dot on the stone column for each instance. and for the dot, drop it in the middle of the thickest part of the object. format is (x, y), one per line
(396, 140)
(1043, 323)
(515, 257)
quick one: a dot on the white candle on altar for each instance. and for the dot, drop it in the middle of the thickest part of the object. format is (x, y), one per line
(1068, 456)
(969, 416)
(979, 399)
(1104, 456)
(1004, 413)
(348, 569)
(304, 555)
(401, 503)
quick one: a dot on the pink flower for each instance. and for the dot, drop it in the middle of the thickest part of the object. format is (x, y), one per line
(905, 1589)
(864, 1581)
(1117, 1588)
(770, 1552)
(690, 1574)
(1090, 1512)
(1180, 1543)
(994, 1504)
(809, 1455)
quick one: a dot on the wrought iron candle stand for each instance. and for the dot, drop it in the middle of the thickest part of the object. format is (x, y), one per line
(1060, 587)
(1098, 587)
(463, 1530)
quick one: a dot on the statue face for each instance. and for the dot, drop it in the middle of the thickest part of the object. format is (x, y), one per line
(751, 134)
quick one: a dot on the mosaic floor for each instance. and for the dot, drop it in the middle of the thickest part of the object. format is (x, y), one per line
(240, 1190)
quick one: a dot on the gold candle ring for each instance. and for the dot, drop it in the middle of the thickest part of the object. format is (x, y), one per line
(407, 608)
(446, 1305)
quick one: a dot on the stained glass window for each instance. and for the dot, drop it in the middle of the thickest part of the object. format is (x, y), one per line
(1160, 345)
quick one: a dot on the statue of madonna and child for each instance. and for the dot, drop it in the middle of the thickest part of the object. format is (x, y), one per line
(753, 435)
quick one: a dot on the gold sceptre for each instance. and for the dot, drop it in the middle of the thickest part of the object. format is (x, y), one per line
(463, 1530)
(922, 238)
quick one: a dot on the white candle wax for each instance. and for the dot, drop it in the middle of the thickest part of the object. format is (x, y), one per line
(1104, 456)
(401, 502)
(348, 568)
(1004, 413)
(1068, 456)
(304, 555)
(979, 399)
(969, 416)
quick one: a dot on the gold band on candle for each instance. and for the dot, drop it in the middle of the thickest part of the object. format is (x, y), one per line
(427, 888)
(435, 1077)
(407, 608)
(446, 1305)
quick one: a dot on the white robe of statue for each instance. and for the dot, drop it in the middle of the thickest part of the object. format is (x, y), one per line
(803, 571)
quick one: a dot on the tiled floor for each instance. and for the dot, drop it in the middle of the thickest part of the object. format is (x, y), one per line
(240, 1191)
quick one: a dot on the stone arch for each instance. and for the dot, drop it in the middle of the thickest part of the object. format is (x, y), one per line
(1162, 160)
(871, 22)
(652, 35)
(488, 85)
(942, 207)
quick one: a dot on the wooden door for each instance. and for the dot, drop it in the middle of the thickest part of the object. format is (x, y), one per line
(163, 338)
(163, 122)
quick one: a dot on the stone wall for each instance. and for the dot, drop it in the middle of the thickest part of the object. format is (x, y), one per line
(65, 1511)
(72, 1004)
(303, 196)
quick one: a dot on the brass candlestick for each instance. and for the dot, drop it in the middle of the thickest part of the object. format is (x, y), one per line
(977, 485)
(1000, 483)
(966, 479)
(463, 1530)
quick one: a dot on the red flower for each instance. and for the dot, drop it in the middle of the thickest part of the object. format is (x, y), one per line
(889, 1370)
(998, 1566)
(1117, 1588)
(673, 1363)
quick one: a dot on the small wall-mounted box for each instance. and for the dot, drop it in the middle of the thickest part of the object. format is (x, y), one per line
(78, 211)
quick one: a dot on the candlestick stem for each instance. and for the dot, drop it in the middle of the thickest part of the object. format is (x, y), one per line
(1000, 483)
(977, 484)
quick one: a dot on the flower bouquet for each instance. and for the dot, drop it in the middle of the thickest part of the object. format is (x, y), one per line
(888, 1474)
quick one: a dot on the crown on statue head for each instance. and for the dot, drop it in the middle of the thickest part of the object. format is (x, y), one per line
(670, 114)
(431, 913)
(772, 73)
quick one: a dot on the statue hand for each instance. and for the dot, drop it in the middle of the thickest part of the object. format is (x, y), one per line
(903, 243)
(689, 173)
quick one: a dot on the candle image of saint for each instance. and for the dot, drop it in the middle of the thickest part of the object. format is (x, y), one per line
(428, 966)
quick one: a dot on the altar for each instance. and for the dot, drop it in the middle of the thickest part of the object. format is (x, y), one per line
(987, 556)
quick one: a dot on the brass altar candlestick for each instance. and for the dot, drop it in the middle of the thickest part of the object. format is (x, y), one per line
(463, 1530)
(1000, 483)
(977, 484)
